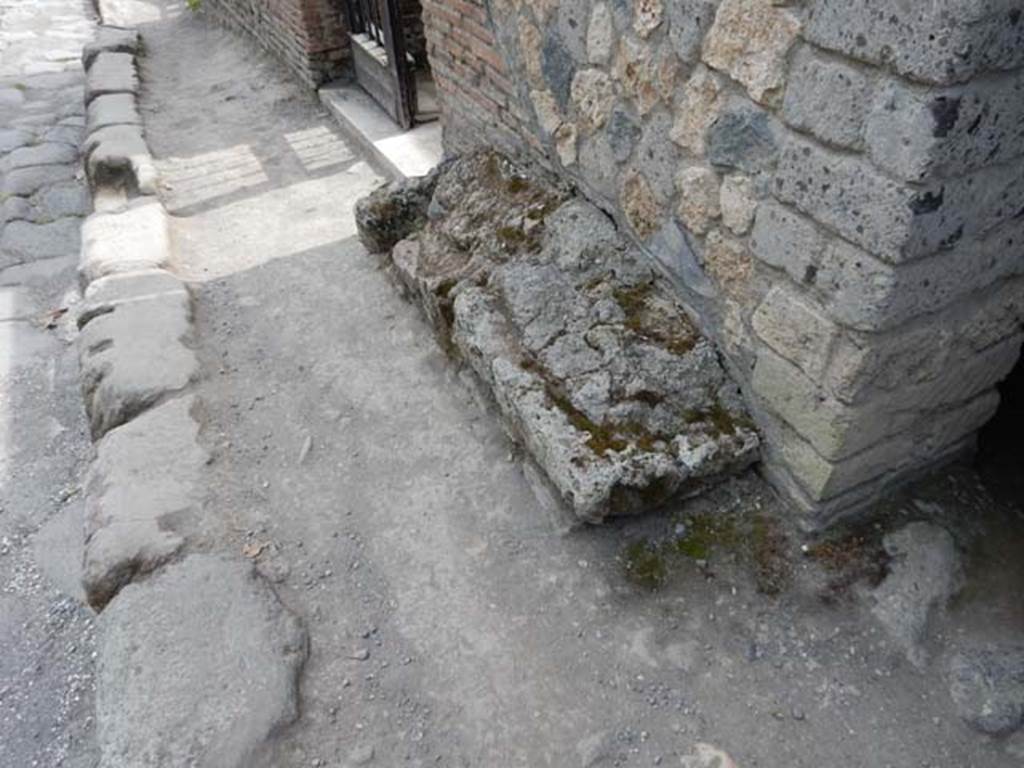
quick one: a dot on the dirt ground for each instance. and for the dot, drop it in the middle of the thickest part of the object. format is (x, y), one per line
(454, 618)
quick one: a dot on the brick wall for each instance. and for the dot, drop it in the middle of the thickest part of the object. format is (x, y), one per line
(308, 35)
(835, 188)
(469, 68)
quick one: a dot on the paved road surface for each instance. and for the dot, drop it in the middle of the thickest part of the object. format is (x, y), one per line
(46, 637)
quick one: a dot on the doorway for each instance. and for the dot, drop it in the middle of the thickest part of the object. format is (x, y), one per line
(389, 58)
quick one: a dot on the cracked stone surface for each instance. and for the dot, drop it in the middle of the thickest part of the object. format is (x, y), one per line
(595, 367)
(198, 666)
(141, 497)
(134, 347)
(924, 574)
(47, 635)
(987, 686)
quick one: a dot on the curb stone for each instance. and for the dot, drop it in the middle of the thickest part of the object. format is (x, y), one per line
(141, 497)
(133, 238)
(115, 149)
(198, 666)
(175, 627)
(133, 349)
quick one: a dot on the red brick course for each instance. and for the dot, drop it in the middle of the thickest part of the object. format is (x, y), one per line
(308, 35)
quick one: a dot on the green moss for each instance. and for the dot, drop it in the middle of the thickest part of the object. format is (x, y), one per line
(722, 421)
(600, 438)
(511, 236)
(517, 184)
(704, 533)
(644, 565)
(767, 550)
(650, 321)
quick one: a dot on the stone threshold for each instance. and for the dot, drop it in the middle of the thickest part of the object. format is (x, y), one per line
(400, 153)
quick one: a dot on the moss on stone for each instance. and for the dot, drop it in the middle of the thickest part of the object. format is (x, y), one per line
(722, 421)
(646, 319)
(704, 533)
(644, 565)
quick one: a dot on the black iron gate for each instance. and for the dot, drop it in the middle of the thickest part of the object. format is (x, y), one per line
(382, 65)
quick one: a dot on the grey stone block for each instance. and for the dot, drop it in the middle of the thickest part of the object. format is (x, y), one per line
(987, 686)
(924, 573)
(915, 132)
(23, 241)
(111, 73)
(69, 198)
(940, 42)
(827, 98)
(657, 156)
(133, 346)
(847, 195)
(13, 138)
(48, 153)
(132, 239)
(788, 240)
(197, 666)
(593, 363)
(742, 137)
(689, 22)
(895, 221)
(558, 67)
(623, 131)
(27, 181)
(142, 498)
(110, 39)
(796, 327)
(112, 109)
(117, 156)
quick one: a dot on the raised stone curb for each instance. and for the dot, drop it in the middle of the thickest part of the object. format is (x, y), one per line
(110, 39)
(198, 666)
(115, 150)
(132, 239)
(141, 497)
(133, 348)
(113, 109)
(198, 660)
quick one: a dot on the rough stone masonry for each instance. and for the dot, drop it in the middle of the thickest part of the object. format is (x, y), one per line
(835, 189)
(595, 367)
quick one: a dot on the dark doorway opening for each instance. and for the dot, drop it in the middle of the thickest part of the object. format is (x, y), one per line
(389, 58)
(1001, 442)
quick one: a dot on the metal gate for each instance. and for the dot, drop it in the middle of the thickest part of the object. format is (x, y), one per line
(382, 65)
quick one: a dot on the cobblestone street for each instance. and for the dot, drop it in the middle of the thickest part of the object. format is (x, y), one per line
(46, 667)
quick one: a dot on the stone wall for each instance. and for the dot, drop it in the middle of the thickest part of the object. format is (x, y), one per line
(308, 35)
(835, 187)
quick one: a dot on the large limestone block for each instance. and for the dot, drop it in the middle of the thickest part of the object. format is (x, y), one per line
(110, 40)
(112, 109)
(118, 156)
(137, 237)
(595, 367)
(134, 345)
(111, 73)
(142, 498)
(198, 668)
